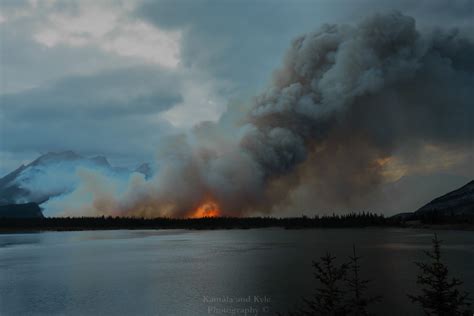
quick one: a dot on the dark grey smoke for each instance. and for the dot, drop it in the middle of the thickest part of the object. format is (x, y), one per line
(346, 99)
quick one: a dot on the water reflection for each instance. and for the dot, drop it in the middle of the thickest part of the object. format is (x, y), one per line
(170, 272)
(10, 240)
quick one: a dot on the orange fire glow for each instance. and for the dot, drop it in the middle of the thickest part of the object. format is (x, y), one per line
(207, 209)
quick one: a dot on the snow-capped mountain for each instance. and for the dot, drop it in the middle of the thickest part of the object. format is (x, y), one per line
(50, 175)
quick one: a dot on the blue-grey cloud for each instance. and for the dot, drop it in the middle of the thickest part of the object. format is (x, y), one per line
(244, 41)
(27, 64)
(239, 41)
(110, 112)
(135, 91)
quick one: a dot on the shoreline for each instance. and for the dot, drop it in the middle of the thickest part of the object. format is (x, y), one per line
(12, 230)
(352, 220)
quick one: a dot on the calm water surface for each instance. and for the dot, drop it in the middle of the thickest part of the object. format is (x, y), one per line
(222, 272)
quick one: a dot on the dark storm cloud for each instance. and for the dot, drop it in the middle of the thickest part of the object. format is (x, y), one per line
(239, 41)
(243, 41)
(102, 112)
(135, 91)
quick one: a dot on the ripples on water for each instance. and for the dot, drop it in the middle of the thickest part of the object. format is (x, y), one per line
(179, 272)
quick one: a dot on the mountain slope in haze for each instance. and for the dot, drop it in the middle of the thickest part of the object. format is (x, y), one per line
(50, 175)
(457, 202)
(413, 191)
(28, 210)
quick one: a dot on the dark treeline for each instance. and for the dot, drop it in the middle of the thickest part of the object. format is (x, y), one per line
(91, 223)
(438, 217)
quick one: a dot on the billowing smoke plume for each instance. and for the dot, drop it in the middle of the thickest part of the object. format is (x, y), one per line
(346, 99)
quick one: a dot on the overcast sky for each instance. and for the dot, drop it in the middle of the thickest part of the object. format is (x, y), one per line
(115, 77)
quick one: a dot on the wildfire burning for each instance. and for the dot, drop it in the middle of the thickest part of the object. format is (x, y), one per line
(207, 209)
(348, 110)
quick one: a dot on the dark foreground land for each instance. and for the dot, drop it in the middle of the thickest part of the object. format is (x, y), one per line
(334, 221)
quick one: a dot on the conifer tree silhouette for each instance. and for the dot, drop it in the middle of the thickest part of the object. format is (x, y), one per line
(329, 296)
(358, 302)
(440, 296)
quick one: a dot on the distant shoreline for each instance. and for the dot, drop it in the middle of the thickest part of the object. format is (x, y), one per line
(366, 220)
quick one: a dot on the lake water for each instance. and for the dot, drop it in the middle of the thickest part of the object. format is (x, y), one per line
(221, 272)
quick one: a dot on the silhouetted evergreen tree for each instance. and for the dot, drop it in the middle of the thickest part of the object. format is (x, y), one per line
(329, 296)
(358, 302)
(440, 296)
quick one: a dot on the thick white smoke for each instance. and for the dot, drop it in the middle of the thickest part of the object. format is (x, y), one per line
(345, 100)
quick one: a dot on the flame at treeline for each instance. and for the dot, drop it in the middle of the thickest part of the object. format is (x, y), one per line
(207, 209)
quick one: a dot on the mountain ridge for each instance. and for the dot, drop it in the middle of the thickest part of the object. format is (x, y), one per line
(50, 175)
(456, 202)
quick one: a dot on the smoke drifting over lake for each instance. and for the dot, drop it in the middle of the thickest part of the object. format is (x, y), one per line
(346, 99)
